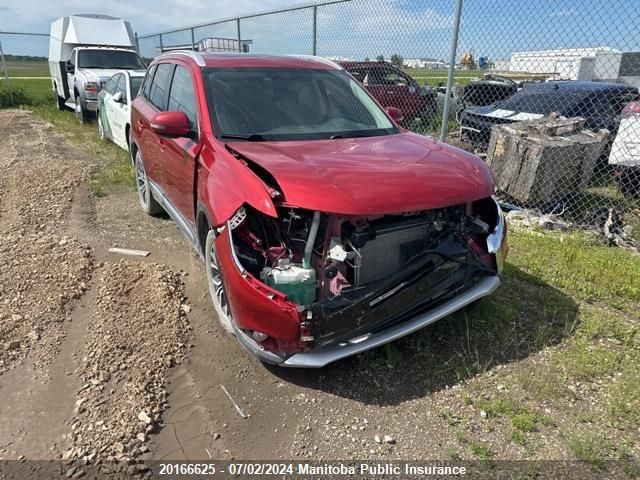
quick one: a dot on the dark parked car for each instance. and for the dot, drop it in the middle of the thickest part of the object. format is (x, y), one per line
(488, 90)
(598, 102)
(325, 229)
(392, 87)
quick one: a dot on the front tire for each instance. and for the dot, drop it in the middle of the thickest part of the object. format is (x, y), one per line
(80, 112)
(101, 132)
(216, 286)
(147, 202)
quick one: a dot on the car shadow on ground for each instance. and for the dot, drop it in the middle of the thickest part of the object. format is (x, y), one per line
(524, 316)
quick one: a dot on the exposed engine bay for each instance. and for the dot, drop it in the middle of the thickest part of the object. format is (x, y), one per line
(345, 272)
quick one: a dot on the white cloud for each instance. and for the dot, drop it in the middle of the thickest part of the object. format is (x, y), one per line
(145, 15)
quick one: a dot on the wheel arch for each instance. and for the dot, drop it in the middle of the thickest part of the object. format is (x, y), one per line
(203, 225)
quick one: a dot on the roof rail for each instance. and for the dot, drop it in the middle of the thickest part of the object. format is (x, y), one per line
(189, 53)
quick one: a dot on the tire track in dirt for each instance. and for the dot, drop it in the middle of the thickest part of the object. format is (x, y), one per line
(44, 272)
(128, 329)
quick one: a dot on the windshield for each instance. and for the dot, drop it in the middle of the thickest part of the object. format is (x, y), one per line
(542, 101)
(117, 59)
(291, 104)
(135, 85)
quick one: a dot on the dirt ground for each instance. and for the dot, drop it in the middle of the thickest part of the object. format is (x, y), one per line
(108, 357)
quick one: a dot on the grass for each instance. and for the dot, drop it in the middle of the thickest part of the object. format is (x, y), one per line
(582, 267)
(481, 450)
(17, 68)
(462, 77)
(115, 172)
(522, 418)
(592, 449)
(32, 91)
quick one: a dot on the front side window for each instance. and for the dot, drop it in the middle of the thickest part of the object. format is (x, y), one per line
(182, 96)
(291, 104)
(116, 59)
(158, 93)
(122, 86)
(110, 87)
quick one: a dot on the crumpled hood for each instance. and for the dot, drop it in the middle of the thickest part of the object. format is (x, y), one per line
(371, 175)
(98, 74)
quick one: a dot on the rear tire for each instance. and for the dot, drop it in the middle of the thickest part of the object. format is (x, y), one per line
(147, 202)
(60, 103)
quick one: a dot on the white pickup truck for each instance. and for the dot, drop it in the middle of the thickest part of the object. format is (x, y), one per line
(84, 52)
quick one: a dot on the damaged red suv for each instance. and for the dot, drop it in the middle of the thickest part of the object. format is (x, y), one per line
(326, 229)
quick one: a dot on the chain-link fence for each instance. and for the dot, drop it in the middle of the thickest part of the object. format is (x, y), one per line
(24, 73)
(546, 92)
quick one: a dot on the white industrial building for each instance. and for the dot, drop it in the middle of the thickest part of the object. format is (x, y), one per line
(601, 63)
(426, 63)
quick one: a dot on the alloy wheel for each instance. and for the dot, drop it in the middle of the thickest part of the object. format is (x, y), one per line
(216, 285)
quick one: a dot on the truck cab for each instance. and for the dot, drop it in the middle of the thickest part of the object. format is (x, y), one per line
(88, 70)
(84, 51)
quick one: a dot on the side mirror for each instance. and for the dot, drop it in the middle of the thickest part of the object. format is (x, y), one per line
(69, 67)
(171, 124)
(118, 97)
(395, 114)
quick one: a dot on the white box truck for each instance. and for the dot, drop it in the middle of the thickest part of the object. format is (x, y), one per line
(84, 52)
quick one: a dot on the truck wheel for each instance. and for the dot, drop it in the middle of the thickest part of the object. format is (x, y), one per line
(216, 287)
(80, 112)
(147, 202)
(60, 103)
(101, 133)
(81, 115)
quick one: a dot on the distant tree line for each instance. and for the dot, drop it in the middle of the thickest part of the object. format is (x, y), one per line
(396, 59)
(24, 58)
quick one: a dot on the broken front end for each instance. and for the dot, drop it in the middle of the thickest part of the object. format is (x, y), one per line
(307, 288)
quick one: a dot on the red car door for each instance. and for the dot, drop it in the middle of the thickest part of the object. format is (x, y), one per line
(155, 100)
(179, 153)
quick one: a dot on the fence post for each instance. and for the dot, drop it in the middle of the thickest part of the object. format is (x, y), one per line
(239, 38)
(315, 30)
(161, 47)
(452, 62)
(193, 40)
(6, 75)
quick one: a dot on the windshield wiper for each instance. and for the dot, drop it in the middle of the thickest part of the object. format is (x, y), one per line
(354, 135)
(254, 137)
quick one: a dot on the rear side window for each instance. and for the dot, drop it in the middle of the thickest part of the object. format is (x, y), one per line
(147, 81)
(158, 94)
(182, 96)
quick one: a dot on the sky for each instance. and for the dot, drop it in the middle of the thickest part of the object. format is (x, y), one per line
(358, 28)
